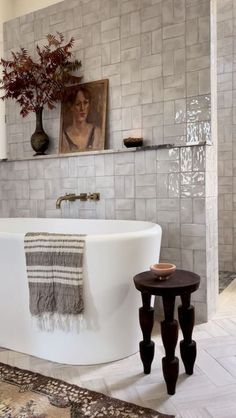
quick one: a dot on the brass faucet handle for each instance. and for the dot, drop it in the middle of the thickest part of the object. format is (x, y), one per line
(71, 197)
(94, 196)
(83, 196)
(70, 194)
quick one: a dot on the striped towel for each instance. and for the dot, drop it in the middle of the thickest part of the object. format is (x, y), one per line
(54, 268)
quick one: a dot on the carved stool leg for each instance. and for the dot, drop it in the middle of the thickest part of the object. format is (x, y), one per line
(146, 319)
(169, 333)
(187, 345)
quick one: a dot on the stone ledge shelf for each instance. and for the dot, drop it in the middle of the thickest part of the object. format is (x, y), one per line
(110, 151)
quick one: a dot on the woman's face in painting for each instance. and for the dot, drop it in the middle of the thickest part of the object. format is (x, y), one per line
(81, 107)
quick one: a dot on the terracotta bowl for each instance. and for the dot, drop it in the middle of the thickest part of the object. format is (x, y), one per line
(163, 270)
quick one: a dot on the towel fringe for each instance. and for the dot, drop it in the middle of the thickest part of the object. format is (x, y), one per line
(54, 321)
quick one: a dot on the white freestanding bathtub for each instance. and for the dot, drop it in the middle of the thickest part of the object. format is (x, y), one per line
(109, 330)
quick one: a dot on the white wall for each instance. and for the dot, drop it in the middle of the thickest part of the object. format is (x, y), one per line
(5, 10)
(5, 14)
(21, 7)
(9, 9)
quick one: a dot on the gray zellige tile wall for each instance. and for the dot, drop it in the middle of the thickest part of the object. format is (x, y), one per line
(226, 133)
(154, 185)
(156, 55)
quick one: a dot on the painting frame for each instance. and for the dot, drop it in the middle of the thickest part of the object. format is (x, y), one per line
(83, 117)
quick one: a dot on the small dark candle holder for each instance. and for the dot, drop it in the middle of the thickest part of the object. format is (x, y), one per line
(133, 142)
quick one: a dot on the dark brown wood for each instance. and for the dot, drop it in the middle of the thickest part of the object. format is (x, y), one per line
(169, 333)
(188, 348)
(146, 354)
(146, 320)
(170, 372)
(181, 283)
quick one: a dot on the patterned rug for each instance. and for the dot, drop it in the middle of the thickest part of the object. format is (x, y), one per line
(24, 394)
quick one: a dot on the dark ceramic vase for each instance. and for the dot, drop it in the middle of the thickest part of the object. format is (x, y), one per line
(39, 139)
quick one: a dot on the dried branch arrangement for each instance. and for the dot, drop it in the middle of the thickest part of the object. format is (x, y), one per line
(34, 84)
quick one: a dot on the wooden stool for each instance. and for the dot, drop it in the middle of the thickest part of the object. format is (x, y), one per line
(181, 283)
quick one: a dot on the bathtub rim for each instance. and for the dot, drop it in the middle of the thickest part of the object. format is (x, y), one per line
(151, 228)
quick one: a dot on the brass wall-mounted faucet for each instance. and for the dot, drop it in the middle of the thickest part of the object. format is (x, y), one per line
(72, 197)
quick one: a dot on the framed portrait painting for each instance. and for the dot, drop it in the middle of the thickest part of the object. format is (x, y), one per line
(83, 117)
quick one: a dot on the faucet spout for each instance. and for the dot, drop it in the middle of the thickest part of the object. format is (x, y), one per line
(68, 196)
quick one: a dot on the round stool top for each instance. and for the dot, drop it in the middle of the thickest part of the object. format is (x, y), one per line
(181, 281)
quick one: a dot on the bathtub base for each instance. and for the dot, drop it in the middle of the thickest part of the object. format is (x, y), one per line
(109, 329)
